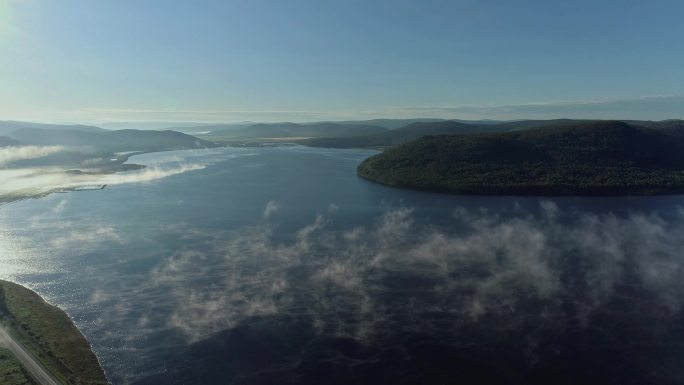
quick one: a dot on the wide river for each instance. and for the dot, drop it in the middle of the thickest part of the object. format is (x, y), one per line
(167, 260)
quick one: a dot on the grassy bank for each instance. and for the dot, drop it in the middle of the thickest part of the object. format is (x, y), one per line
(50, 335)
(11, 371)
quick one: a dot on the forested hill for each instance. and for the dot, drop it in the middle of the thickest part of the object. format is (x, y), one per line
(401, 135)
(588, 158)
(110, 141)
(416, 130)
(455, 127)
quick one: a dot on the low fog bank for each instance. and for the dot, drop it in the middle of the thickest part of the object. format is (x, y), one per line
(481, 268)
(14, 153)
(34, 171)
(35, 182)
(520, 297)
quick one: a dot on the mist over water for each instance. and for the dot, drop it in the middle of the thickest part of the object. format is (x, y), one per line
(155, 266)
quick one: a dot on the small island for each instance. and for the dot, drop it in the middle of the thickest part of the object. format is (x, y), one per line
(596, 158)
(47, 335)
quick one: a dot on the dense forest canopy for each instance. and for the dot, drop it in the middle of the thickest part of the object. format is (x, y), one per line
(580, 158)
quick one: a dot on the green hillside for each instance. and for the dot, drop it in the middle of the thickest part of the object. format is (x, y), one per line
(110, 141)
(400, 135)
(591, 158)
(456, 127)
(50, 335)
(416, 130)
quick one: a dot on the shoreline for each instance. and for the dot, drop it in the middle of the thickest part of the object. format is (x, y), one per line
(534, 191)
(49, 335)
(120, 166)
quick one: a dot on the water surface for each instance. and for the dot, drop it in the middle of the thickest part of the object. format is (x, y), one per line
(155, 266)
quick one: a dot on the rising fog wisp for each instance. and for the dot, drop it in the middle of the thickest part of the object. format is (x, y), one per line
(484, 268)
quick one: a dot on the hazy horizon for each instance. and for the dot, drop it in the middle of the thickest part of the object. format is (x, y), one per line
(98, 62)
(162, 124)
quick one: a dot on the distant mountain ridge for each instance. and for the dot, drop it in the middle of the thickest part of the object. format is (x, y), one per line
(110, 141)
(242, 129)
(457, 127)
(400, 135)
(390, 124)
(294, 130)
(8, 126)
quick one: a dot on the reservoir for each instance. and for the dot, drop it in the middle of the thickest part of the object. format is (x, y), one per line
(198, 274)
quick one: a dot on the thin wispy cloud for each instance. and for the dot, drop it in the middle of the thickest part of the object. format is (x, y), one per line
(655, 107)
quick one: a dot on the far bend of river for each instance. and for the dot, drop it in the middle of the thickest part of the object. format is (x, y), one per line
(149, 268)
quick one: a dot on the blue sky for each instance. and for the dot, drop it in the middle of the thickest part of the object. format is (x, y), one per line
(165, 60)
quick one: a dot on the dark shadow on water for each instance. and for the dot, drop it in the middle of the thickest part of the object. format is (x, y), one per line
(628, 339)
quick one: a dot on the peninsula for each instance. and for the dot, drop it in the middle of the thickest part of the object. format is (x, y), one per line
(595, 158)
